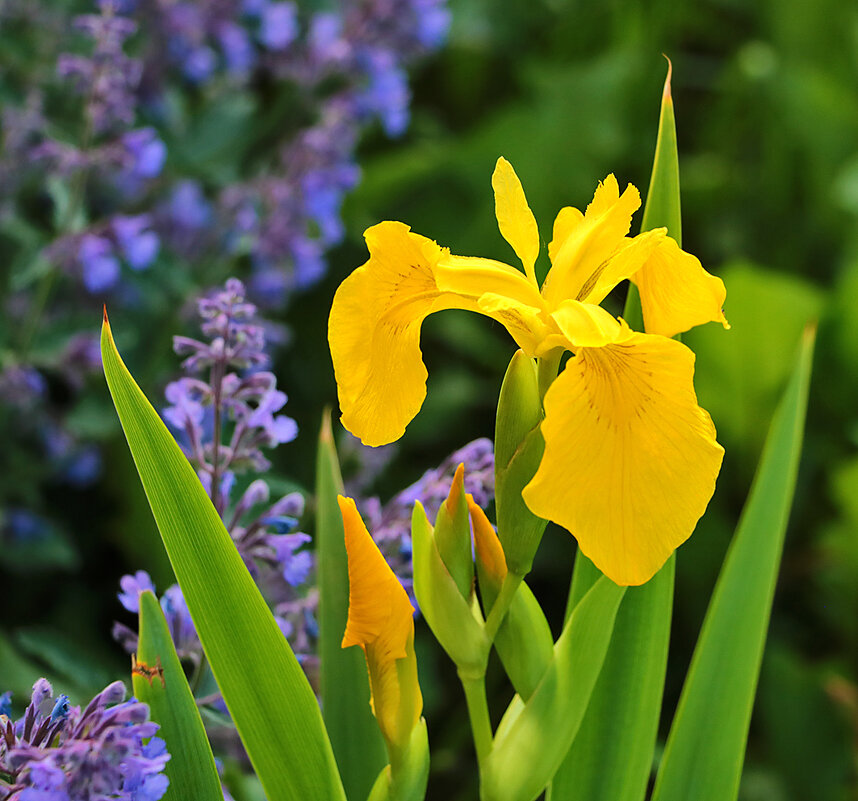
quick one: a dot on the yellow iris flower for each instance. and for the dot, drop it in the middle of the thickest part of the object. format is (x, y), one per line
(381, 622)
(630, 458)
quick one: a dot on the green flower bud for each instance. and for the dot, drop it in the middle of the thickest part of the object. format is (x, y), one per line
(453, 535)
(518, 452)
(455, 621)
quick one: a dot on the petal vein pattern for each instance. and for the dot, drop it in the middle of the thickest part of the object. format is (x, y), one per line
(630, 458)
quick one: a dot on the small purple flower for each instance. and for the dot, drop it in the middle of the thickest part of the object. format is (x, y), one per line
(83, 468)
(22, 525)
(145, 153)
(199, 64)
(238, 51)
(278, 25)
(99, 265)
(188, 207)
(139, 245)
(131, 587)
(22, 385)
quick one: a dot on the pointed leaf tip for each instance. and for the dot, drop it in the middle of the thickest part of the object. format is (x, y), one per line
(666, 96)
(106, 321)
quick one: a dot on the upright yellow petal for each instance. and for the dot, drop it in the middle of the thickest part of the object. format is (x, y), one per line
(380, 621)
(590, 244)
(374, 332)
(515, 219)
(490, 553)
(566, 221)
(630, 458)
(677, 293)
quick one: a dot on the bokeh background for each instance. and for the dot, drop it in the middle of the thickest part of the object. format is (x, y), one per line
(766, 101)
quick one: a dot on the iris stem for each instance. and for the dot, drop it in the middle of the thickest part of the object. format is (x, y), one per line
(478, 712)
(510, 586)
(546, 368)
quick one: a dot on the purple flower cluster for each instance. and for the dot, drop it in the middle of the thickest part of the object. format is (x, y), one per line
(287, 218)
(107, 79)
(223, 423)
(390, 523)
(56, 752)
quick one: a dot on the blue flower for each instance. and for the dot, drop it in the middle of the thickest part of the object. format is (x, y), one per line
(199, 64)
(188, 206)
(146, 153)
(138, 244)
(131, 587)
(99, 264)
(278, 25)
(238, 51)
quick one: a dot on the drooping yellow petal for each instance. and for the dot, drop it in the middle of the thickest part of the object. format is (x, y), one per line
(380, 621)
(515, 219)
(677, 293)
(630, 458)
(374, 332)
(473, 277)
(591, 244)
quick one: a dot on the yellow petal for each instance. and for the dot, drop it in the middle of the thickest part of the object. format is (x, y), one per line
(487, 546)
(677, 293)
(566, 221)
(586, 253)
(524, 323)
(374, 332)
(515, 219)
(630, 458)
(380, 613)
(380, 621)
(473, 276)
(585, 325)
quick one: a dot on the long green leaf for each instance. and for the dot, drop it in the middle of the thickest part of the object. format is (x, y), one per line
(611, 758)
(355, 736)
(533, 737)
(706, 746)
(265, 690)
(165, 689)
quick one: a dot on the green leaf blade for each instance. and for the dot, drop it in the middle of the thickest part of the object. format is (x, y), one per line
(355, 736)
(611, 757)
(268, 696)
(706, 746)
(191, 768)
(533, 737)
